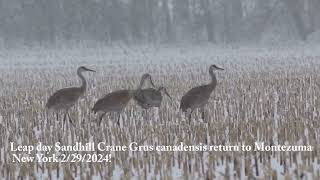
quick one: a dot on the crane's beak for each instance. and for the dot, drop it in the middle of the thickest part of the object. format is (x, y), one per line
(219, 68)
(90, 70)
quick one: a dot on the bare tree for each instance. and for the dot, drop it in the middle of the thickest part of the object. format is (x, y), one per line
(260, 19)
(45, 21)
(208, 19)
(313, 14)
(296, 11)
(151, 4)
(233, 15)
(3, 22)
(116, 27)
(136, 8)
(168, 24)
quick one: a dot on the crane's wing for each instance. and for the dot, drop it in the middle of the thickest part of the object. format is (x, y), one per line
(114, 101)
(195, 97)
(148, 97)
(64, 97)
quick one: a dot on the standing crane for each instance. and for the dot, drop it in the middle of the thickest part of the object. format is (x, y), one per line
(117, 101)
(148, 98)
(198, 97)
(64, 99)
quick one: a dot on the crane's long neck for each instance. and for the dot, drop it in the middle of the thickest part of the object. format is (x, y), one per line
(141, 84)
(138, 88)
(214, 81)
(83, 80)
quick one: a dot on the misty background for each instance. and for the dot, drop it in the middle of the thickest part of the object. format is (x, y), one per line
(50, 22)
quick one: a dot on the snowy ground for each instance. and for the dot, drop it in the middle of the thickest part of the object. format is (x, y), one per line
(265, 94)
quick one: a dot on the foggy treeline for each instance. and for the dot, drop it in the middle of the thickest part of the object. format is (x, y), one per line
(216, 21)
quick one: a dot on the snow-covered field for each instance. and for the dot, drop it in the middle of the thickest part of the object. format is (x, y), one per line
(265, 94)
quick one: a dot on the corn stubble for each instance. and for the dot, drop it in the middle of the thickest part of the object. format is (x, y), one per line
(276, 106)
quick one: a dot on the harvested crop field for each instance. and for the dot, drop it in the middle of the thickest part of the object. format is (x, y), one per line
(269, 95)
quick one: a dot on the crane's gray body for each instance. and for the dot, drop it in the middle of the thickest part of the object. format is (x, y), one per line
(64, 98)
(198, 97)
(113, 102)
(148, 98)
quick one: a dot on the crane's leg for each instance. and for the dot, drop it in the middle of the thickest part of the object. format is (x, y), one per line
(70, 120)
(65, 117)
(57, 116)
(160, 115)
(144, 114)
(148, 116)
(64, 120)
(118, 121)
(190, 113)
(203, 114)
(100, 118)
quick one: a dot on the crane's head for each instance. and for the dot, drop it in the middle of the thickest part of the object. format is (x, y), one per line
(83, 69)
(215, 67)
(164, 90)
(146, 77)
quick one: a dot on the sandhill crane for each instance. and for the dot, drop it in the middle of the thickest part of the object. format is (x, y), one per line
(64, 99)
(148, 98)
(198, 97)
(116, 101)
